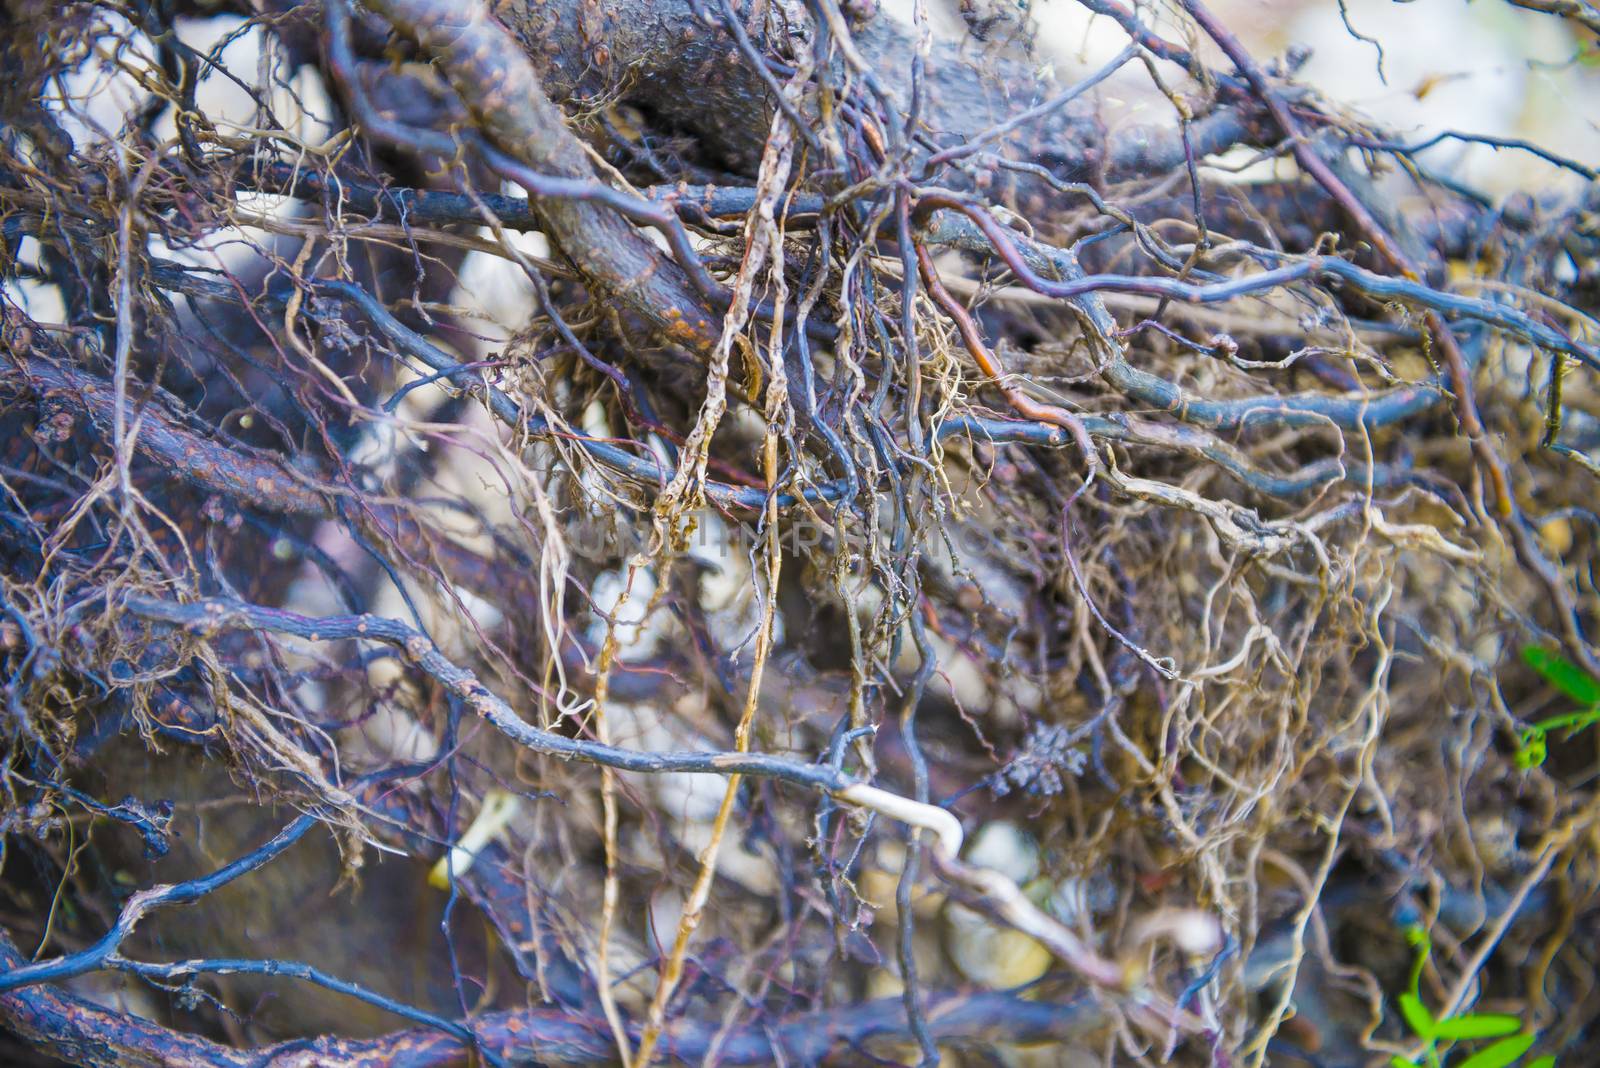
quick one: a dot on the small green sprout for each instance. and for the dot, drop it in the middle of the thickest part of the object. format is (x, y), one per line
(1442, 1034)
(1570, 679)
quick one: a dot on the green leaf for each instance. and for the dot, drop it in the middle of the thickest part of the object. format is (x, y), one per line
(1572, 721)
(1400, 1062)
(1417, 1015)
(1547, 1061)
(1563, 674)
(1500, 1054)
(1477, 1025)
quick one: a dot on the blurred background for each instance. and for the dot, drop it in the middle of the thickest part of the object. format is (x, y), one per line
(1424, 67)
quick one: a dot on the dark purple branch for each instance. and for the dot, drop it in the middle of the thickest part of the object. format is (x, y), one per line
(1310, 268)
